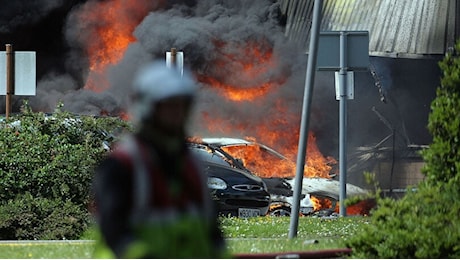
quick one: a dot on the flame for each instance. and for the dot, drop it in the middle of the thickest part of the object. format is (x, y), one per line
(249, 63)
(362, 208)
(125, 116)
(235, 94)
(320, 203)
(264, 165)
(108, 28)
(251, 66)
(261, 163)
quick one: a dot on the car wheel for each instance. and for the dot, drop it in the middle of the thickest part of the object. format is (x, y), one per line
(279, 211)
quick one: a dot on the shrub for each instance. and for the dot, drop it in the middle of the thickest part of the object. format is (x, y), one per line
(29, 217)
(424, 223)
(46, 171)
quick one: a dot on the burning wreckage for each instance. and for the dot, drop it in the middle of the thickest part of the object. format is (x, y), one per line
(319, 194)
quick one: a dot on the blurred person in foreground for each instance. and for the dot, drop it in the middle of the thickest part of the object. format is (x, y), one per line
(151, 197)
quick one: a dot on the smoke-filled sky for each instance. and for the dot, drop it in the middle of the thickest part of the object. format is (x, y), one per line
(238, 45)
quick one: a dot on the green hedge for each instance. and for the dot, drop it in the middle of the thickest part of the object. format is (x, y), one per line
(46, 168)
(30, 217)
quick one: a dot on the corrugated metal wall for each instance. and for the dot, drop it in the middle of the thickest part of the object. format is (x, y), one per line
(397, 28)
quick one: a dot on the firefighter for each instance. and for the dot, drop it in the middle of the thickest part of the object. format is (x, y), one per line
(151, 196)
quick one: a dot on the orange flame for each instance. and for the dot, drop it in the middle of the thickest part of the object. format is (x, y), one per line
(264, 164)
(246, 70)
(362, 208)
(261, 163)
(109, 28)
(235, 94)
(316, 165)
(320, 203)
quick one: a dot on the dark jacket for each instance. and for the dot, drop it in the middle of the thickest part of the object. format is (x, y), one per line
(173, 181)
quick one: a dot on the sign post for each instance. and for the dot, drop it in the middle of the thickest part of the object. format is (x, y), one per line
(345, 52)
(17, 74)
(9, 79)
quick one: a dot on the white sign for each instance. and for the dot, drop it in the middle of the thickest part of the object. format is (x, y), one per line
(24, 73)
(179, 62)
(350, 85)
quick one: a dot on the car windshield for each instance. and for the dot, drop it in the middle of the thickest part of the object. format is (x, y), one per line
(205, 154)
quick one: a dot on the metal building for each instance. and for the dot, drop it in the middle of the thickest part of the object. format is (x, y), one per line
(397, 28)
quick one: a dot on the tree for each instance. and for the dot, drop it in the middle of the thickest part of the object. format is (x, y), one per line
(443, 156)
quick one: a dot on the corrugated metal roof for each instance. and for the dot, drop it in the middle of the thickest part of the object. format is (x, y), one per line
(397, 28)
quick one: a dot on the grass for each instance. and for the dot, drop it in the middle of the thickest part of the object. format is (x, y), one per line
(253, 235)
(270, 234)
(46, 249)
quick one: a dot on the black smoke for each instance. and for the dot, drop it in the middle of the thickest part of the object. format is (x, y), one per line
(212, 30)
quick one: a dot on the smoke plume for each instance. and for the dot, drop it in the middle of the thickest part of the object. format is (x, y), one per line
(236, 47)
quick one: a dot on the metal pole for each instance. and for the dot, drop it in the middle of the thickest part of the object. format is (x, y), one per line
(173, 58)
(9, 79)
(343, 123)
(308, 93)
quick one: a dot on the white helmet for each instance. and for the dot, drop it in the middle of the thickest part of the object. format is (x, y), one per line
(155, 82)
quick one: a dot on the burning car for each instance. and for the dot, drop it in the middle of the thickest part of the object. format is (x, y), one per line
(279, 189)
(280, 176)
(236, 191)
